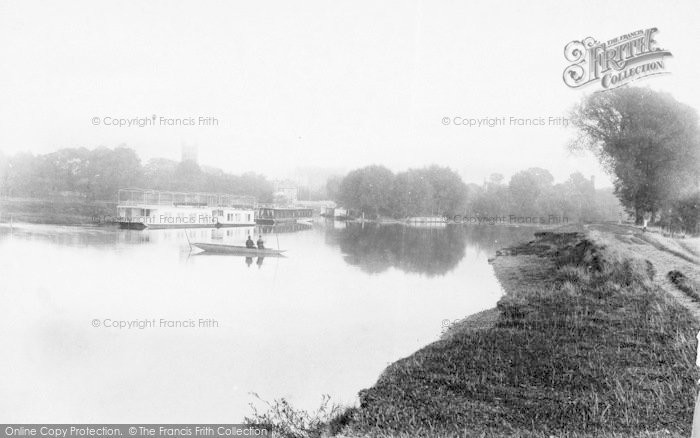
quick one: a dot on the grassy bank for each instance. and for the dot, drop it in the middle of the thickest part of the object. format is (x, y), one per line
(589, 347)
(57, 210)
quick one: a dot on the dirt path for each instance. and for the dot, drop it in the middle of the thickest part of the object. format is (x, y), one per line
(664, 253)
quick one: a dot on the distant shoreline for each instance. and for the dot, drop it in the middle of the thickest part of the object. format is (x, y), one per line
(58, 210)
(61, 210)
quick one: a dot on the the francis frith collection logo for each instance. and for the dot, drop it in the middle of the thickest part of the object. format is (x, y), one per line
(615, 62)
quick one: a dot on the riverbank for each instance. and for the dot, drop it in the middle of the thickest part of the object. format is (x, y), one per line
(584, 343)
(56, 211)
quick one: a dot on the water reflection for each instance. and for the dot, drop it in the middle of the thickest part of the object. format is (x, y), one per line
(376, 248)
(430, 251)
(258, 262)
(111, 235)
(296, 327)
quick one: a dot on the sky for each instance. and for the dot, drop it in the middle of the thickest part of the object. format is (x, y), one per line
(318, 83)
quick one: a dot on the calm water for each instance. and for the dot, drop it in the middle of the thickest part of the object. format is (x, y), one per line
(327, 319)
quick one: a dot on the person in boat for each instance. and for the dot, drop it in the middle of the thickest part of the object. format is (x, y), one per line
(249, 243)
(261, 244)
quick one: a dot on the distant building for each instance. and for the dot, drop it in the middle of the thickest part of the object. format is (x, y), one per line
(190, 153)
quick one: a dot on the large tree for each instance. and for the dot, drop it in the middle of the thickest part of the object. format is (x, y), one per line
(646, 140)
(449, 191)
(579, 192)
(412, 194)
(493, 199)
(527, 187)
(111, 169)
(367, 190)
(432, 190)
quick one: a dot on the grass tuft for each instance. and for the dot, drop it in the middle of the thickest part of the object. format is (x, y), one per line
(685, 284)
(290, 422)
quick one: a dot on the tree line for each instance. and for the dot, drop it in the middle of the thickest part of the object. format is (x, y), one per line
(647, 141)
(650, 143)
(97, 174)
(375, 191)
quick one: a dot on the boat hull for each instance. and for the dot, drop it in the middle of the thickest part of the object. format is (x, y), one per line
(219, 248)
(141, 226)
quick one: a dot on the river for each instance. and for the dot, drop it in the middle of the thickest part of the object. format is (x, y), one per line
(100, 325)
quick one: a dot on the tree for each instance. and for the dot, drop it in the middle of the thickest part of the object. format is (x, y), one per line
(108, 170)
(4, 174)
(367, 190)
(580, 194)
(99, 173)
(252, 184)
(412, 194)
(159, 174)
(525, 188)
(493, 199)
(646, 139)
(333, 186)
(683, 214)
(449, 193)
(432, 190)
(188, 177)
(23, 175)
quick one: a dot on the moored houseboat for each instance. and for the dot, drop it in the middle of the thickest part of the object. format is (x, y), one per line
(138, 208)
(340, 214)
(270, 215)
(328, 212)
(427, 221)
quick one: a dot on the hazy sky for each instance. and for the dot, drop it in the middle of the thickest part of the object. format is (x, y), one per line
(318, 83)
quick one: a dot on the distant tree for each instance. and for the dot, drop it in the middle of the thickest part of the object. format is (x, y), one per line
(449, 193)
(580, 194)
(367, 190)
(412, 194)
(63, 170)
(188, 177)
(525, 189)
(608, 205)
(493, 199)
(495, 179)
(159, 174)
(4, 174)
(252, 184)
(683, 214)
(23, 175)
(99, 173)
(108, 170)
(374, 190)
(646, 139)
(333, 187)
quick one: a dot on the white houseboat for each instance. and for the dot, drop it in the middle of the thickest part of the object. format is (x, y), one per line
(138, 208)
(427, 221)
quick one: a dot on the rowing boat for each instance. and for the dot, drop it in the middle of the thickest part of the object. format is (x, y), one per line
(220, 248)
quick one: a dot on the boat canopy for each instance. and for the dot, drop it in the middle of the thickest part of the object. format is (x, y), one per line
(137, 197)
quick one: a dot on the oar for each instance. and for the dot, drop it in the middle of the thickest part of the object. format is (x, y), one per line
(188, 240)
